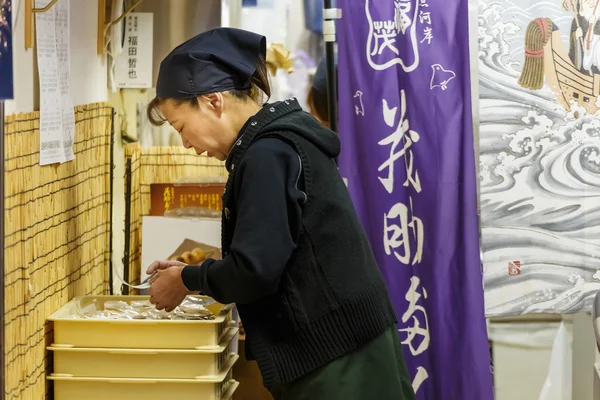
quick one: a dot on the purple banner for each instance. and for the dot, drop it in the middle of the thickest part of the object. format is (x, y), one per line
(408, 157)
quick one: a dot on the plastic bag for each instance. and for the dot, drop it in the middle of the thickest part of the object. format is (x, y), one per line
(558, 383)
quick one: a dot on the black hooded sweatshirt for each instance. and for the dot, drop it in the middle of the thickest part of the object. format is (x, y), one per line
(296, 260)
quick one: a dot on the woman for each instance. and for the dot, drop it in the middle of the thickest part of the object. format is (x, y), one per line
(296, 260)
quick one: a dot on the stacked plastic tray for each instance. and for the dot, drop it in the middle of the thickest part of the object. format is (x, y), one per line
(96, 359)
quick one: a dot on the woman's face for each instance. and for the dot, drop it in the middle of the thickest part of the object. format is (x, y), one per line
(203, 128)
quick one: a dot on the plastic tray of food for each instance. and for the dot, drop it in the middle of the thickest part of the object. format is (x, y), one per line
(131, 322)
(143, 363)
(219, 387)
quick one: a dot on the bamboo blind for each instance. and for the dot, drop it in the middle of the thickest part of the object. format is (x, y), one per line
(57, 238)
(159, 165)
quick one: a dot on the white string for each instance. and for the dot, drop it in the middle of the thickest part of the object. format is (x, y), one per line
(143, 285)
(16, 19)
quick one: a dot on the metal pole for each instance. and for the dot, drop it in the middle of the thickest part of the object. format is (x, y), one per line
(330, 14)
(112, 180)
(127, 254)
(2, 293)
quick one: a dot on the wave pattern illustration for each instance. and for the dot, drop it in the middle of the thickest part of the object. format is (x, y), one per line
(539, 174)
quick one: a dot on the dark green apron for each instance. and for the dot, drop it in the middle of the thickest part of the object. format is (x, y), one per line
(376, 370)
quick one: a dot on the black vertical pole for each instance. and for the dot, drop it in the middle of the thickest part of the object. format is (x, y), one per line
(2, 293)
(112, 179)
(127, 250)
(329, 16)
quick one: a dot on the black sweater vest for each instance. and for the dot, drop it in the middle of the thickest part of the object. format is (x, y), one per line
(332, 297)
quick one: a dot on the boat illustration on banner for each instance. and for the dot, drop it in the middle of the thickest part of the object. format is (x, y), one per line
(546, 56)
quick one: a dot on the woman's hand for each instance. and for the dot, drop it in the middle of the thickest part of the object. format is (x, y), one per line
(167, 290)
(160, 265)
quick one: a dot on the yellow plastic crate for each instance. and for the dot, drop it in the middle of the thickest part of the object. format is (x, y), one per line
(142, 363)
(137, 334)
(72, 388)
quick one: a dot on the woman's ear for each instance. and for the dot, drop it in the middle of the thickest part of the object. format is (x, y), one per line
(213, 101)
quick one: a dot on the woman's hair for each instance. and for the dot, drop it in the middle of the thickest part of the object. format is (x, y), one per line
(317, 102)
(259, 82)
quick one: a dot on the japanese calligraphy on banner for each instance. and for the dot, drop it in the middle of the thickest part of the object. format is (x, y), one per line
(133, 67)
(6, 57)
(539, 64)
(407, 154)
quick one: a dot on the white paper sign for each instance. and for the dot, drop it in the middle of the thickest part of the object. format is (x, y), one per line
(63, 47)
(57, 115)
(133, 67)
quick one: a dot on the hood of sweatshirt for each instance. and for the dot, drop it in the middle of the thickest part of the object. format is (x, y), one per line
(287, 116)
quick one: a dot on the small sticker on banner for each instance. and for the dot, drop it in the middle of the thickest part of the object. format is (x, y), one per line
(514, 268)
